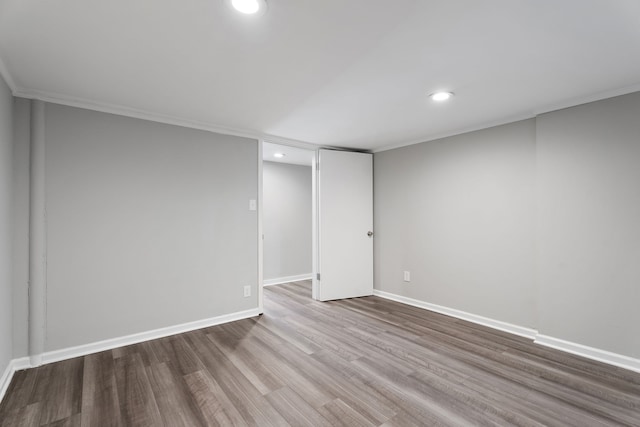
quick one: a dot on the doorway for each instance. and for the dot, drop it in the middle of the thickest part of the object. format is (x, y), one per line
(341, 221)
(287, 203)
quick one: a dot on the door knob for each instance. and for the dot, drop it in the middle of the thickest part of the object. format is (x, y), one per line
(370, 233)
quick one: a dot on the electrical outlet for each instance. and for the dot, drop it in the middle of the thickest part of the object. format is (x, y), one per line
(407, 276)
(247, 291)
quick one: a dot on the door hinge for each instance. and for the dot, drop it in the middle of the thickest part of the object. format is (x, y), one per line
(317, 276)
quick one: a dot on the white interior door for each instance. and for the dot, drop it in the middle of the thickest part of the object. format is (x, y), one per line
(345, 220)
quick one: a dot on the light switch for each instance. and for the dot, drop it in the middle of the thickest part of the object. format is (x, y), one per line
(253, 205)
(407, 276)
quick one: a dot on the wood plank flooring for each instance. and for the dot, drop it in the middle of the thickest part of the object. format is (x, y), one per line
(358, 362)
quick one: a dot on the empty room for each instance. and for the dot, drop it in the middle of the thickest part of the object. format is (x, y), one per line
(309, 213)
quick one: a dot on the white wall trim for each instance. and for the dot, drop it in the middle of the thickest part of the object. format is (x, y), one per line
(592, 353)
(469, 129)
(485, 321)
(125, 111)
(287, 279)
(14, 366)
(5, 380)
(315, 234)
(247, 133)
(83, 350)
(129, 112)
(260, 212)
(525, 116)
(587, 99)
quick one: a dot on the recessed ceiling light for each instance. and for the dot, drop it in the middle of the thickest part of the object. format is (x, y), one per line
(249, 7)
(279, 155)
(441, 96)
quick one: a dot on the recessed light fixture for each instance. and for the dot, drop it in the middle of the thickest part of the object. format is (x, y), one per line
(249, 7)
(279, 155)
(441, 96)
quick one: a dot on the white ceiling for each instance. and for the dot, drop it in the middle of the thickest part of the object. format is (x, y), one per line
(351, 73)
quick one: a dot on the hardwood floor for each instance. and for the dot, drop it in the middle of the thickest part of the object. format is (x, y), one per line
(358, 362)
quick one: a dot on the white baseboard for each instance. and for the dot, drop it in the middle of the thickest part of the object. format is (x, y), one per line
(83, 350)
(592, 353)
(7, 375)
(287, 279)
(485, 321)
(14, 366)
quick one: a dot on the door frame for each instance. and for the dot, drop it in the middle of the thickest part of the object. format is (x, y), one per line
(315, 236)
(314, 215)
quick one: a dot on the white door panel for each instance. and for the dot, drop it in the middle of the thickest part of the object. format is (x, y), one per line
(345, 188)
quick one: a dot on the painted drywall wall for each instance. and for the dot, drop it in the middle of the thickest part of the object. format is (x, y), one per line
(6, 215)
(148, 225)
(286, 220)
(458, 213)
(589, 224)
(21, 150)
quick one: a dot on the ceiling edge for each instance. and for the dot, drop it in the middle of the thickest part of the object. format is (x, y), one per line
(485, 125)
(154, 117)
(574, 102)
(210, 127)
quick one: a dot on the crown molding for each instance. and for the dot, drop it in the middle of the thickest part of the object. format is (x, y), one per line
(462, 131)
(131, 112)
(262, 136)
(125, 111)
(574, 102)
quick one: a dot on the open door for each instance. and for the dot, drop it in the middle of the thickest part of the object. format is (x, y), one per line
(345, 222)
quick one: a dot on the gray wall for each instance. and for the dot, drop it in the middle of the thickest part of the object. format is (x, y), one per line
(21, 151)
(6, 214)
(463, 216)
(589, 224)
(148, 225)
(458, 213)
(286, 220)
